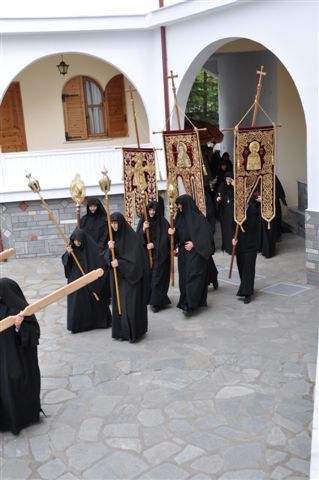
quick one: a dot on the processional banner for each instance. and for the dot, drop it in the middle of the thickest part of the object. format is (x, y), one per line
(184, 163)
(139, 180)
(254, 163)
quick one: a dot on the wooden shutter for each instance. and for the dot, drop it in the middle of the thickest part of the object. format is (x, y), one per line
(74, 110)
(116, 107)
(12, 132)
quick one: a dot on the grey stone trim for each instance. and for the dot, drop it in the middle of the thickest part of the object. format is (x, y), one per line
(312, 246)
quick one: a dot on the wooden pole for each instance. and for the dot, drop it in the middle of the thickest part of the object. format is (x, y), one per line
(147, 230)
(171, 77)
(117, 290)
(261, 73)
(78, 215)
(6, 254)
(256, 104)
(134, 116)
(171, 221)
(53, 297)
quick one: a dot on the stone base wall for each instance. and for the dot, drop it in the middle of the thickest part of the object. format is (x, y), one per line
(312, 247)
(26, 226)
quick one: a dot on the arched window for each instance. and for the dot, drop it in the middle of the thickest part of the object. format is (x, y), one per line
(94, 108)
(89, 113)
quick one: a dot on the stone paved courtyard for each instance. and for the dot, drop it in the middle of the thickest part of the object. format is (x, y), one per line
(224, 395)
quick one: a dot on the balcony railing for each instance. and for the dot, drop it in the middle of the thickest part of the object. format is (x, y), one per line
(55, 169)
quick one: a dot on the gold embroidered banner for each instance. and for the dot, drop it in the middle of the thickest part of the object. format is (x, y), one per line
(254, 162)
(184, 162)
(139, 180)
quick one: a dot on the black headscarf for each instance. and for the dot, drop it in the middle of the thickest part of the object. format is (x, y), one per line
(128, 249)
(100, 209)
(161, 225)
(197, 225)
(88, 255)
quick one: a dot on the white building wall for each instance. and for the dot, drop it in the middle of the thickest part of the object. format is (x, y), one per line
(195, 30)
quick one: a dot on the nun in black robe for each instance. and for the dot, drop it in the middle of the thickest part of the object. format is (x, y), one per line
(133, 281)
(246, 252)
(225, 205)
(160, 239)
(193, 262)
(20, 381)
(95, 223)
(84, 312)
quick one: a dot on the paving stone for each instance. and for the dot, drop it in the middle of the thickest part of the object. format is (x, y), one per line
(298, 465)
(40, 447)
(189, 453)
(119, 465)
(125, 430)
(52, 469)
(82, 455)
(18, 447)
(276, 437)
(280, 473)
(125, 444)
(62, 436)
(161, 452)
(164, 472)
(235, 391)
(248, 455)
(154, 435)
(90, 428)
(300, 445)
(150, 417)
(275, 456)
(208, 464)
(244, 475)
(58, 396)
(17, 469)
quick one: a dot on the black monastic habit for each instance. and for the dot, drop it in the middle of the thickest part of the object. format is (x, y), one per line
(160, 273)
(225, 208)
(84, 311)
(95, 224)
(246, 251)
(19, 369)
(133, 281)
(193, 266)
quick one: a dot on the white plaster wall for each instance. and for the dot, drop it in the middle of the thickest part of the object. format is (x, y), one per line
(290, 32)
(41, 89)
(291, 138)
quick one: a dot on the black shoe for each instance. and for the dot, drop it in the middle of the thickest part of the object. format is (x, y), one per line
(247, 299)
(187, 312)
(154, 308)
(215, 284)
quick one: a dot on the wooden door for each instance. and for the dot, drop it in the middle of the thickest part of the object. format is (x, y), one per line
(12, 132)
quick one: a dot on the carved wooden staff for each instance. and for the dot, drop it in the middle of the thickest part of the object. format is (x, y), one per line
(53, 297)
(147, 230)
(6, 254)
(105, 184)
(171, 77)
(172, 194)
(35, 187)
(77, 190)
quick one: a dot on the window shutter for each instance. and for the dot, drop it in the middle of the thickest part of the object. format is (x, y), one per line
(74, 110)
(12, 132)
(116, 107)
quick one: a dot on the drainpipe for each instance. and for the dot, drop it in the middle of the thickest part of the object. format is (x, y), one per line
(165, 73)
